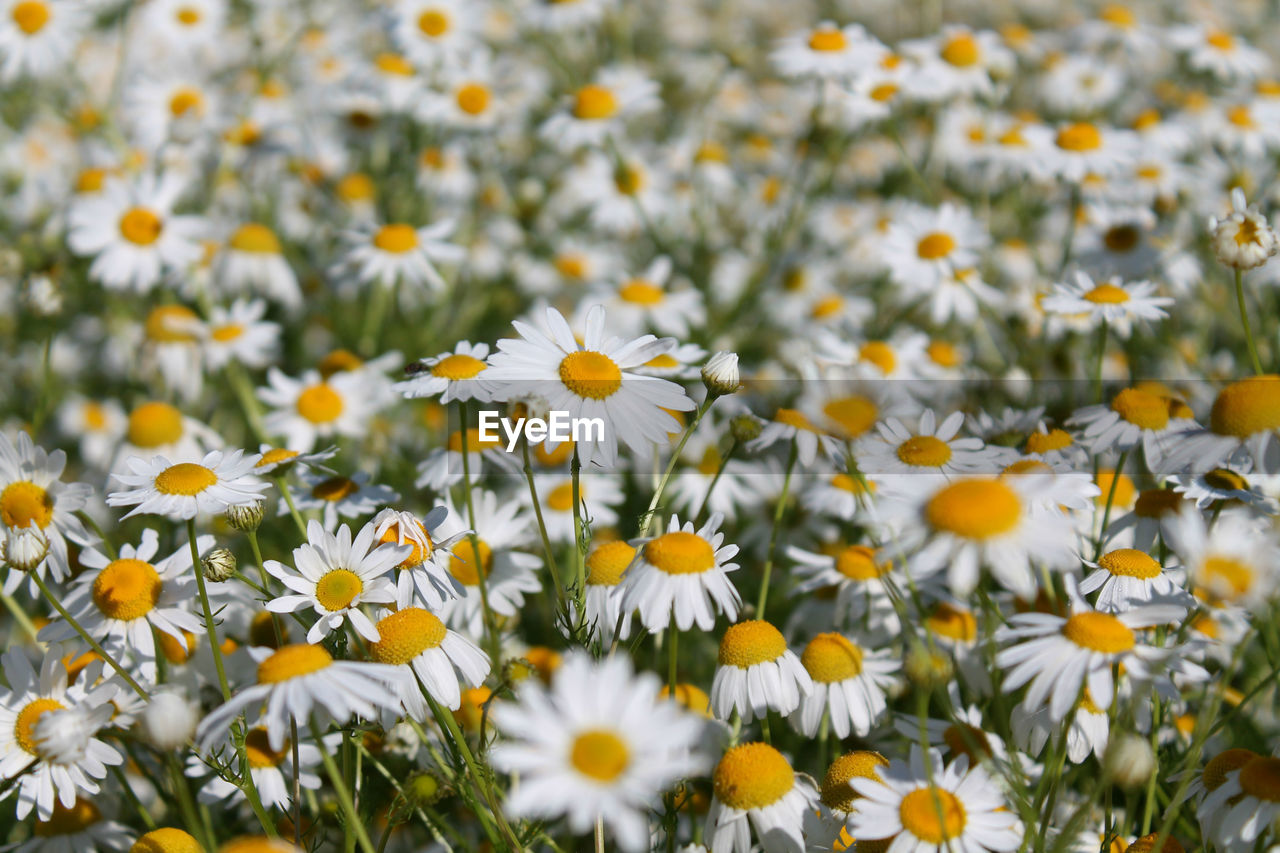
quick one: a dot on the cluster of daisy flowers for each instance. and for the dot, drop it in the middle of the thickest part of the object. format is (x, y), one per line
(932, 499)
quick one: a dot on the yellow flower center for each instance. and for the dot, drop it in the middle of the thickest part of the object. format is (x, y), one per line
(227, 333)
(127, 589)
(963, 739)
(952, 623)
(924, 451)
(474, 443)
(1107, 294)
(335, 489)
(571, 265)
(336, 589)
(24, 727)
(186, 101)
(274, 456)
(1124, 488)
(628, 180)
(883, 92)
(599, 754)
(858, 562)
(256, 239)
(419, 553)
(257, 748)
(23, 503)
(1216, 770)
(30, 16)
(1260, 778)
(826, 307)
(854, 414)
(975, 509)
(590, 374)
(1081, 136)
(680, 553)
(433, 23)
(691, 696)
(837, 793)
(606, 564)
(405, 635)
(355, 187)
(560, 498)
(1224, 478)
(394, 64)
(831, 657)
(749, 643)
(188, 16)
(827, 41)
(293, 661)
(641, 292)
(171, 324)
(1223, 573)
(752, 776)
(320, 404)
(464, 565)
(1045, 442)
(1247, 407)
(1130, 563)
(90, 180)
(396, 238)
(457, 366)
(167, 839)
(1141, 409)
(68, 821)
(935, 245)
(1156, 503)
(185, 478)
(1117, 16)
(140, 226)
(1221, 40)
(473, 98)
(339, 361)
(932, 815)
(593, 103)
(880, 354)
(1099, 632)
(962, 51)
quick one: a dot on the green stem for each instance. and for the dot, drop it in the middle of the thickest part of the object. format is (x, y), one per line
(187, 805)
(84, 635)
(549, 551)
(210, 629)
(490, 630)
(287, 493)
(446, 719)
(19, 615)
(646, 520)
(724, 463)
(773, 535)
(1244, 320)
(354, 823)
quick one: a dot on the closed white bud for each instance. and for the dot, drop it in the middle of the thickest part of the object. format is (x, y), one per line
(246, 517)
(1128, 761)
(720, 373)
(24, 548)
(1244, 239)
(219, 565)
(169, 720)
(62, 736)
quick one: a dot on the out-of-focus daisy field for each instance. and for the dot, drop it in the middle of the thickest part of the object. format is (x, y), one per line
(918, 362)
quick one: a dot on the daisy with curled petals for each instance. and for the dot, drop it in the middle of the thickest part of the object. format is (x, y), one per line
(592, 380)
(423, 574)
(1061, 655)
(934, 808)
(1134, 416)
(295, 680)
(932, 448)
(1115, 302)
(1245, 805)
(185, 489)
(310, 408)
(32, 495)
(596, 110)
(1229, 484)
(1127, 577)
(849, 684)
(756, 673)
(425, 652)
(454, 375)
(754, 787)
(43, 775)
(335, 575)
(681, 577)
(598, 745)
(400, 252)
(280, 460)
(119, 602)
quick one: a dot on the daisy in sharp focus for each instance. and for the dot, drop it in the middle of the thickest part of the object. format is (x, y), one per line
(757, 673)
(33, 495)
(335, 575)
(1115, 302)
(424, 574)
(598, 745)
(453, 375)
(755, 787)
(592, 380)
(186, 489)
(848, 686)
(1127, 577)
(681, 577)
(425, 652)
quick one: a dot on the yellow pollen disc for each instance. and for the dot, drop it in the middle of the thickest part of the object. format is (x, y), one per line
(1226, 479)
(320, 404)
(1221, 40)
(1141, 408)
(935, 246)
(590, 374)
(1222, 573)
(1025, 466)
(1124, 488)
(837, 793)
(1107, 294)
(275, 455)
(473, 98)
(628, 180)
(858, 562)
(24, 727)
(433, 23)
(828, 306)
(880, 354)
(599, 754)
(606, 564)
(171, 324)
(416, 557)
(827, 41)
(932, 815)
(962, 51)
(127, 589)
(463, 563)
(336, 589)
(967, 740)
(140, 226)
(293, 661)
(710, 463)
(854, 414)
(339, 361)
(227, 333)
(167, 839)
(1099, 632)
(571, 266)
(255, 239)
(680, 553)
(355, 187)
(396, 239)
(1117, 16)
(30, 16)
(690, 696)
(335, 489)
(845, 483)
(457, 366)
(943, 354)
(185, 478)
(831, 657)
(1247, 407)
(1045, 442)
(749, 643)
(561, 497)
(640, 292)
(592, 103)
(90, 180)
(394, 64)
(474, 443)
(975, 509)
(1079, 137)
(952, 623)
(257, 747)
(186, 101)
(924, 451)
(1130, 563)
(188, 16)
(257, 844)
(883, 92)
(752, 776)
(175, 651)
(24, 503)
(69, 821)
(405, 635)
(794, 418)
(1216, 770)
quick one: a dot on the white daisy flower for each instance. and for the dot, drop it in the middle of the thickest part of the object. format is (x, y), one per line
(924, 247)
(849, 684)
(400, 252)
(238, 333)
(1223, 54)
(424, 652)
(1134, 416)
(1127, 577)
(1244, 807)
(453, 375)
(754, 787)
(638, 303)
(171, 347)
(278, 461)
(185, 489)
(97, 425)
(793, 425)
(1232, 561)
(958, 62)
(254, 261)
(37, 37)
(1088, 729)
(857, 576)
(1116, 302)
(1244, 239)
(681, 577)
(432, 31)
(33, 495)
(931, 448)
(311, 408)
(1229, 484)
(335, 576)
(424, 574)
(598, 109)
(156, 428)
(605, 566)
(827, 52)
(1080, 149)
(756, 673)
(1244, 424)
(443, 467)
(79, 827)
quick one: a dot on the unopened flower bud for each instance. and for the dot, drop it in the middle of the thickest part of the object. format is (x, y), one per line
(24, 548)
(425, 789)
(62, 735)
(745, 428)
(1128, 761)
(169, 720)
(1244, 239)
(928, 668)
(219, 565)
(720, 373)
(1147, 844)
(246, 517)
